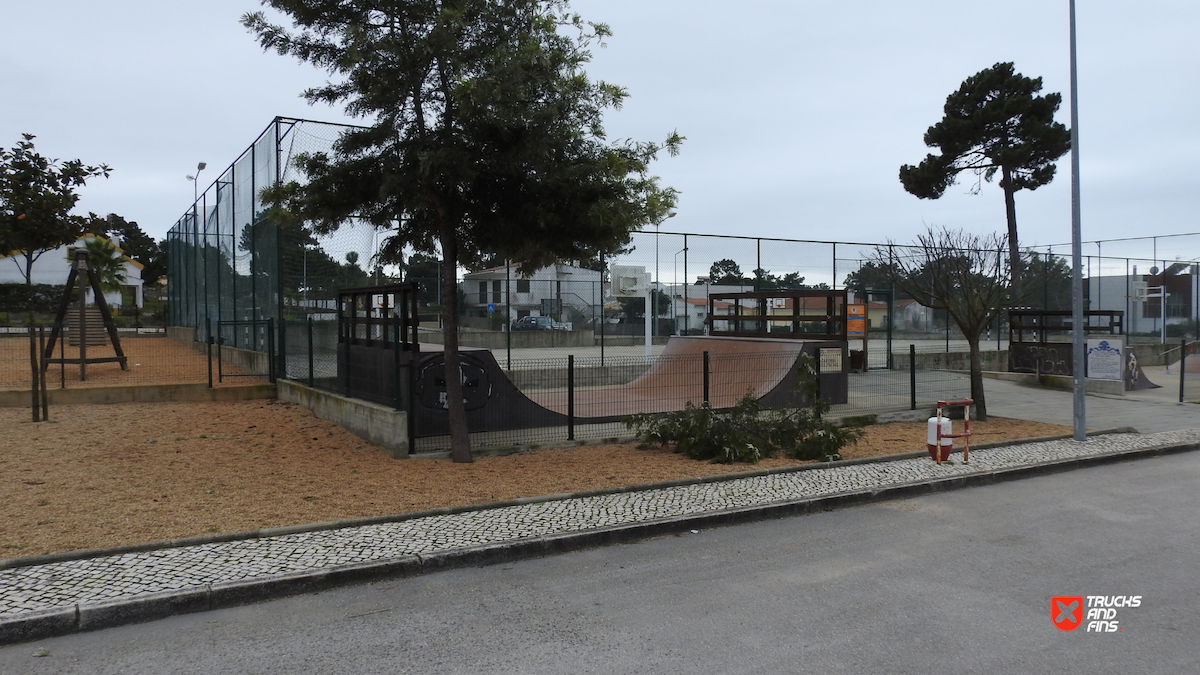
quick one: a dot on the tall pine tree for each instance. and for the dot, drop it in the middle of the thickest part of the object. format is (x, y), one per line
(994, 123)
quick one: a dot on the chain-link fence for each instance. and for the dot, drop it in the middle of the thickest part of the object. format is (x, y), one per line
(589, 397)
(230, 263)
(151, 358)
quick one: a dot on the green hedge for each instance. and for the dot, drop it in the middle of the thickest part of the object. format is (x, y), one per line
(41, 298)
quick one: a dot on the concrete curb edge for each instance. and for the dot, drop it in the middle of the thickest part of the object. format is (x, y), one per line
(66, 620)
(265, 533)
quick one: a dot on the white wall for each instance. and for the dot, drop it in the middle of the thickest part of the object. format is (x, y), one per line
(52, 267)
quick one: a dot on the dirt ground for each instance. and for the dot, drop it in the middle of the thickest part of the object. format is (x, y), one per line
(153, 359)
(108, 475)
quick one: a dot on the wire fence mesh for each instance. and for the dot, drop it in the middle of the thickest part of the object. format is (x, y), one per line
(151, 359)
(230, 262)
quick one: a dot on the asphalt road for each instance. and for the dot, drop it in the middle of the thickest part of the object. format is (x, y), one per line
(957, 582)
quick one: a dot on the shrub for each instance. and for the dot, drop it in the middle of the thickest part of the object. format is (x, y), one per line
(41, 298)
(746, 433)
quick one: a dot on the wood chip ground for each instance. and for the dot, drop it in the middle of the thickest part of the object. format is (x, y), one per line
(109, 475)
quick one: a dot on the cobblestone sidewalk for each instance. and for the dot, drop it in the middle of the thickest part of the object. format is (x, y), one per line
(79, 583)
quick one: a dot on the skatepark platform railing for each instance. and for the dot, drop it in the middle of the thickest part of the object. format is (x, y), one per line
(368, 315)
(797, 314)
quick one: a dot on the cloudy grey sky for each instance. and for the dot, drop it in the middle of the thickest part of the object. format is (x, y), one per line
(798, 114)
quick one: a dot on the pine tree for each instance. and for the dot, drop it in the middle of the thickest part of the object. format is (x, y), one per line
(994, 123)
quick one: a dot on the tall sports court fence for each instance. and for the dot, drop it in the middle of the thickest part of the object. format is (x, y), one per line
(229, 262)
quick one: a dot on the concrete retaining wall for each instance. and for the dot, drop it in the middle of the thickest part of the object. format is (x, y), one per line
(376, 423)
(991, 360)
(1063, 382)
(247, 360)
(536, 339)
(141, 393)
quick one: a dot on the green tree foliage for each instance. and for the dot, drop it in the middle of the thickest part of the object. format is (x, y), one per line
(962, 273)
(994, 123)
(486, 137)
(764, 280)
(36, 198)
(726, 271)
(425, 270)
(635, 307)
(746, 433)
(139, 246)
(870, 275)
(1049, 278)
(108, 264)
(304, 264)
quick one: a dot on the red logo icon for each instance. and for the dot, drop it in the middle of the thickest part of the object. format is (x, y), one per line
(1066, 611)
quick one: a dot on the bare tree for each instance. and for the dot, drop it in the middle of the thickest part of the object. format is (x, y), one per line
(965, 274)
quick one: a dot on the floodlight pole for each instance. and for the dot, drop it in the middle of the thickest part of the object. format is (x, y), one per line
(649, 341)
(1077, 321)
(196, 182)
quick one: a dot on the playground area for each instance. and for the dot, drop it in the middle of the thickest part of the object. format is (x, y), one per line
(111, 475)
(153, 359)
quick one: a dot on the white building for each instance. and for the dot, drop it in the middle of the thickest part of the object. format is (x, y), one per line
(566, 292)
(1145, 298)
(52, 268)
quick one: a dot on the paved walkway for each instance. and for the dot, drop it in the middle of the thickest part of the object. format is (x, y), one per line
(69, 595)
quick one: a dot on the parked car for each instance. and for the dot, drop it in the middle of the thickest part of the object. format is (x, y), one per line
(538, 323)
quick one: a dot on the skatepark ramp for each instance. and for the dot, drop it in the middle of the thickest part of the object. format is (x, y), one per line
(691, 369)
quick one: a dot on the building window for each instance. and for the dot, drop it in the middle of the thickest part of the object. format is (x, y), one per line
(522, 285)
(497, 292)
(483, 292)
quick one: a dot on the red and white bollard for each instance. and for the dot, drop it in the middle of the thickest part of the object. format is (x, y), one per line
(939, 439)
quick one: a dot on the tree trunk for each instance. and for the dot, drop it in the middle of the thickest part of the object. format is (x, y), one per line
(1014, 249)
(460, 439)
(977, 393)
(29, 287)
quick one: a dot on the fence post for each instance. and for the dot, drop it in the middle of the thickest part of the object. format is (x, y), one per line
(208, 348)
(570, 397)
(414, 359)
(1182, 359)
(912, 376)
(310, 350)
(271, 352)
(62, 364)
(395, 363)
(282, 347)
(705, 377)
(42, 365)
(33, 370)
(220, 363)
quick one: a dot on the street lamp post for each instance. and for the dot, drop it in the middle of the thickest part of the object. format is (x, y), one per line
(652, 311)
(196, 183)
(196, 235)
(674, 309)
(1077, 321)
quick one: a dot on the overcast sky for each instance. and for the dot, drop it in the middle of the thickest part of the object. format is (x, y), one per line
(797, 114)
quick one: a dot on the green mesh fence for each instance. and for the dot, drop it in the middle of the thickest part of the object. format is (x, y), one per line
(229, 262)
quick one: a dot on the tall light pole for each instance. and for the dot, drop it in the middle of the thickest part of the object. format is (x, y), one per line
(652, 312)
(196, 182)
(1077, 325)
(196, 228)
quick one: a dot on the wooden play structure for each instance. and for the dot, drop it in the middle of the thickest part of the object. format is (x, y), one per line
(80, 267)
